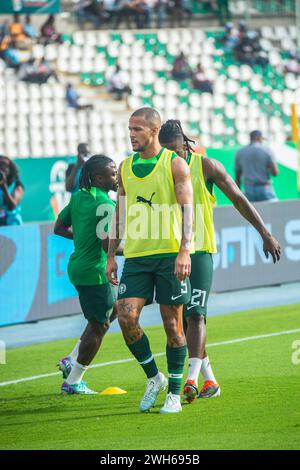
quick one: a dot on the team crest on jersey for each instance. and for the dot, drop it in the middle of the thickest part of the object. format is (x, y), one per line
(122, 288)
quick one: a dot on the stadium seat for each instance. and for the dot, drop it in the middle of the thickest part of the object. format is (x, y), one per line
(292, 31)
(79, 38)
(267, 32)
(242, 94)
(91, 38)
(51, 52)
(231, 86)
(291, 81)
(36, 150)
(233, 72)
(38, 51)
(242, 138)
(11, 149)
(280, 32)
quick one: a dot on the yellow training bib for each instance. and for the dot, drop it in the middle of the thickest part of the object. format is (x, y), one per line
(153, 216)
(204, 232)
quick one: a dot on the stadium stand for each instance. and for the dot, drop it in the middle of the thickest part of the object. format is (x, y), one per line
(244, 97)
(36, 121)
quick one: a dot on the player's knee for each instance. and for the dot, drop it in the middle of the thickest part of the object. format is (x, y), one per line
(126, 322)
(176, 340)
(105, 326)
(196, 321)
(128, 316)
(99, 329)
(174, 329)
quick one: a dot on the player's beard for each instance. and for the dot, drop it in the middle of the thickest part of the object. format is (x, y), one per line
(143, 147)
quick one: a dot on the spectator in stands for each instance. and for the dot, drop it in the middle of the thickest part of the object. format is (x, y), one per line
(243, 49)
(138, 11)
(29, 29)
(73, 97)
(3, 30)
(117, 85)
(44, 71)
(27, 71)
(200, 82)
(248, 49)
(256, 163)
(293, 64)
(230, 38)
(12, 56)
(36, 71)
(181, 68)
(74, 170)
(223, 11)
(109, 9)
(179, 11)
(48, 31)
(5, 43)
(149, 7)
(11, 193)
(125, 10)
(143, 10)
(16, 29)
(88, 10)
(161, 12)
(242, 26)
(260, 56)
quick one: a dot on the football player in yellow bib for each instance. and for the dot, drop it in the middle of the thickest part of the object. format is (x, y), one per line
(158, 235)
(206, 172)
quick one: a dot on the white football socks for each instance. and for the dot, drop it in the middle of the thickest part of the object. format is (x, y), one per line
(74, 354)
(76, 373)
(206, 370)
(194, 369)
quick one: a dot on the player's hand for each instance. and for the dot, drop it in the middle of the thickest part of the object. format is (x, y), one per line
(112, 271)
(272, 246)
(183, 265)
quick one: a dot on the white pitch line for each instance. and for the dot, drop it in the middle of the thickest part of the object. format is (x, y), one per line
(123, 361)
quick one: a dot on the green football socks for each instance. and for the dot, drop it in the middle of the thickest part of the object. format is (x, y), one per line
(175, 359)
(142, 352)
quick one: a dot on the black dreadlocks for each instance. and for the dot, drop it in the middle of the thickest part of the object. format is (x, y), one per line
(172, 129)
(96, 165)
(13, 170)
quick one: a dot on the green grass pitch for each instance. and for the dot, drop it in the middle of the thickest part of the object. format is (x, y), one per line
(258, 407)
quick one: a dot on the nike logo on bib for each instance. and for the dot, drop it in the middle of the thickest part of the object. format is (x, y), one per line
(176, 297)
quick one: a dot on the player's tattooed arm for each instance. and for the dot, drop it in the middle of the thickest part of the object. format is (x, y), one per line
(216, 173)
(184, 196)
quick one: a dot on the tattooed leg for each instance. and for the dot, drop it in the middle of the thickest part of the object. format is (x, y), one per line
(129, 311)
(128, 315)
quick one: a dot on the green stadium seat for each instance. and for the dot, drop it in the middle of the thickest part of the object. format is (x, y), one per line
(67, 38)
(98, 79)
